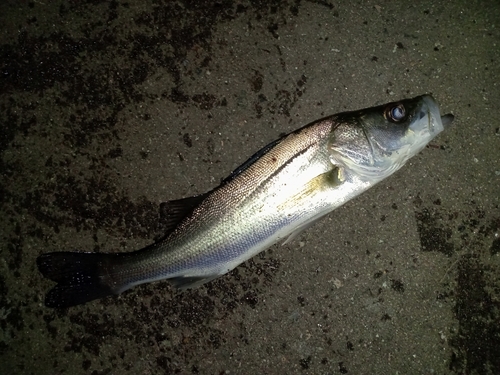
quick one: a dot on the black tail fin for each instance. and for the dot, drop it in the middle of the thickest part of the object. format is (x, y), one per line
(81, 277)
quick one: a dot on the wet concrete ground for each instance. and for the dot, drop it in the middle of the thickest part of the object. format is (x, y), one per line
(109, 108)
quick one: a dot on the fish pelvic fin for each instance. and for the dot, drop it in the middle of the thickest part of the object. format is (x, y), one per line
(80, 277)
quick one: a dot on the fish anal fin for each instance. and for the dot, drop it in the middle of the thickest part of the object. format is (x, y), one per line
(190, 282)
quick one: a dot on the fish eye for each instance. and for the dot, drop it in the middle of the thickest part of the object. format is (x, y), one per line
(395, 113)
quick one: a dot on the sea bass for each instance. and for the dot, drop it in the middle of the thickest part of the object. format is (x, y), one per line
(277, 193)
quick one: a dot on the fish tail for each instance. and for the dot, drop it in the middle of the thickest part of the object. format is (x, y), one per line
(80, 277)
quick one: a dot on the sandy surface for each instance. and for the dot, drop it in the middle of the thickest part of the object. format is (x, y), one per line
(109, 108)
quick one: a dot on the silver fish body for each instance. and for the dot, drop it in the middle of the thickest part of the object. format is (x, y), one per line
(276, 194)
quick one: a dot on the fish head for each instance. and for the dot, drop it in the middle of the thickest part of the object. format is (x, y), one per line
(373, 143)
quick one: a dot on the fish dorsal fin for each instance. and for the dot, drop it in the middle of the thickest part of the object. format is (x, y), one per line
(173, 212)
(243, 167)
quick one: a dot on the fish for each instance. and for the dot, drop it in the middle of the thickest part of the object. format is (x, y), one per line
(276, 194)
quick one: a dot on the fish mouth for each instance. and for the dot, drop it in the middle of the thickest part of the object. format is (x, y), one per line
(446, 120)
(437, 123)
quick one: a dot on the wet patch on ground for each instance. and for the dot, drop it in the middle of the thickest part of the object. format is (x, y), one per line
(470, 238)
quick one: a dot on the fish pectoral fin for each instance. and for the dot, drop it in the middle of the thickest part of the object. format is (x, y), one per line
(334, 177)
(317, 185)
(327, 180)
(173, 212)
(190, 282)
